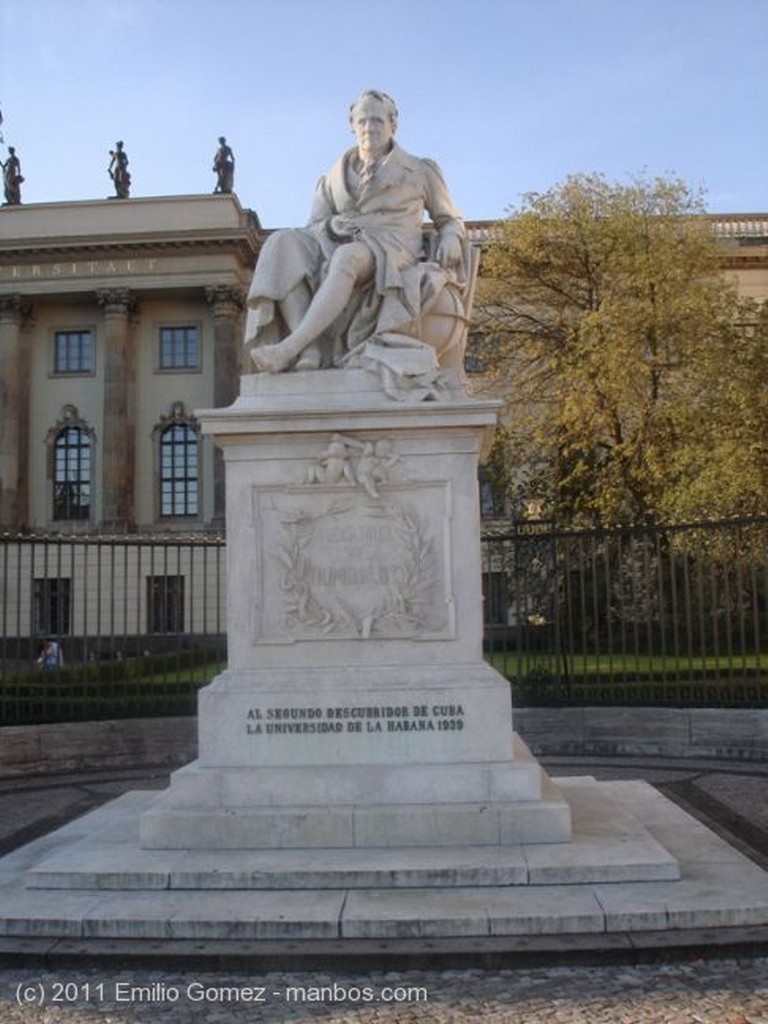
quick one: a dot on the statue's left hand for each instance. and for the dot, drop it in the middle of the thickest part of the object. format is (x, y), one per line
(449, 252)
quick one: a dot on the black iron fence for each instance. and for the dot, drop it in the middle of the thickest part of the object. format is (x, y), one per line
(663, 615)
(96, 627)
(675, 615)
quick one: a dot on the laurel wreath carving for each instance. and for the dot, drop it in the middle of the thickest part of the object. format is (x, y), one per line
(405, 604)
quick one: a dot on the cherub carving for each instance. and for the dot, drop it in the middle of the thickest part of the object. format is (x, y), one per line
(374, 464)
(335, 465)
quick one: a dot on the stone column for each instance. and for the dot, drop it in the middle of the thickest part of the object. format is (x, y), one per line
(227, 305)
(14, 415)
(119, 421)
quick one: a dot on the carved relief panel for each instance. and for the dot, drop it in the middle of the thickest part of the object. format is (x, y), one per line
(351, 553)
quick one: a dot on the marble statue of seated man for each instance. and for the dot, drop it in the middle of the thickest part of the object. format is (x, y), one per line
(358, 273)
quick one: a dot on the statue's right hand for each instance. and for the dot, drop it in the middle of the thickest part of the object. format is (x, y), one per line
(449, 252)
(340, 228)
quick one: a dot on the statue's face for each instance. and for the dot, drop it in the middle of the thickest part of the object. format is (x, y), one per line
(372, 126)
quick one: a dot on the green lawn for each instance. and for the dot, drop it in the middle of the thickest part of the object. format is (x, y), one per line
(135, 687)
(705, 681)
(580, 665)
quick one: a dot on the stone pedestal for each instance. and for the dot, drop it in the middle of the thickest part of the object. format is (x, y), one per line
(357, 710)
(358, 775)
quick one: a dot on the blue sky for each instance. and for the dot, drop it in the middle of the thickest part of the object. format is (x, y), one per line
(509, 96)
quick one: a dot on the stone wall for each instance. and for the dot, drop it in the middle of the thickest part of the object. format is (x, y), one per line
(90, 746)
(737, 734)
(732, 733)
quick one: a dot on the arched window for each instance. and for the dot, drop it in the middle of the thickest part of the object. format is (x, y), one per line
(72, 470)
(179, 472)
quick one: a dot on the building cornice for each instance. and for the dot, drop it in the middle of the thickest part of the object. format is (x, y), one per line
(83, 249)
(746, 229)
(213, 224)
(131, 227)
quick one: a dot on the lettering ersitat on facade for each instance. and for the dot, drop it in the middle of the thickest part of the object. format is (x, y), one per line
(77, 268)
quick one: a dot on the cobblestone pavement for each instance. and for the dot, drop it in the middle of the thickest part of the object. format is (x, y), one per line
(727, 991)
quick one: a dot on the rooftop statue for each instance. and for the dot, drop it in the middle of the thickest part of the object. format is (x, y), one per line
(224, 167)
(12, 178)
(356, 283)
(118, 171)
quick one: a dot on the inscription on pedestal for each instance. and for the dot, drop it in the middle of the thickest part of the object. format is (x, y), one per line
(337, 563)
(395, 717)
(371, 720)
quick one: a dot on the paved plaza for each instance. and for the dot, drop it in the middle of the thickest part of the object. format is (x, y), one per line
(453, 982)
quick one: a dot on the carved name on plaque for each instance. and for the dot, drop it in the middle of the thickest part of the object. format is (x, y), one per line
(337, 564)
(351, 553)
(357, 571)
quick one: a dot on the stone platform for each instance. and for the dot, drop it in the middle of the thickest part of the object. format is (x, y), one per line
(651, 869)
(359, 807)
(611, 846)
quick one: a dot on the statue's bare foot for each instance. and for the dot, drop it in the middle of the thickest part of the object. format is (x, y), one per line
(272, 358)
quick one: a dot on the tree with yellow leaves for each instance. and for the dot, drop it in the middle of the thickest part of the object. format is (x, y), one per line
(636, 378)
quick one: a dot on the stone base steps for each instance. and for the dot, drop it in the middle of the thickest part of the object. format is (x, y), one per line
(709, 884)
(612, 846)
(357, 827)
(366, 806)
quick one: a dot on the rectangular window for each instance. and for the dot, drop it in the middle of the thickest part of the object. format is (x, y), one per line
(495, 600)
(487, 503)
(52, 606)
(492, 495)
(179, 348)
(72, 474)
(73, 352)
(165, 604)
(179, 471)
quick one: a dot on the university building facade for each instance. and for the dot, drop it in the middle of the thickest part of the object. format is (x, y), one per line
(118, 319)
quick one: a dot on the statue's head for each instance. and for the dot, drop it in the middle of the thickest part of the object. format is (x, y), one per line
(222, 140)
(373, 119)
(381, 97)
